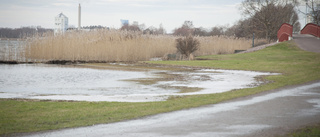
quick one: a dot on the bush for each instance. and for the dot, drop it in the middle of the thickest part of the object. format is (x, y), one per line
(186, 46)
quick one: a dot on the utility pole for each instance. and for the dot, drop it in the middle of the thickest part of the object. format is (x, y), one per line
(253, 40)
(79, 17)
(306, 12)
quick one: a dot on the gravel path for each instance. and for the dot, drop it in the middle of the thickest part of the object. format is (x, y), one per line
(258, 48)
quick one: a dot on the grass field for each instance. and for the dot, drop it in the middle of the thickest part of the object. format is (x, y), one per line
(296, 66)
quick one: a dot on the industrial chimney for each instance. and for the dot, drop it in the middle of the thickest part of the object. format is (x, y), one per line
(79, 17)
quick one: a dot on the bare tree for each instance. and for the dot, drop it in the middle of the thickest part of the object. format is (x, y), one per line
(23, 32)
(130, 27)
(217, 31)
(266, 16)
(243, 28)
(186, 29)
(155, 31)
(186, 46)
(314, 9)
(200, 32)
(161, 30)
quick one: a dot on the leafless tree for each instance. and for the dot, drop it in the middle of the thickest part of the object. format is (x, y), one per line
(186, 29)
(314, 9)
(161, 30)
(266, 16)
(242, 28)
(23, 32)
(155, 31)
(217, 31)
(200, 32)
(130, 27)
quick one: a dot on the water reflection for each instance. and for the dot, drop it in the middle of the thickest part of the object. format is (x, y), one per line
(41, 81)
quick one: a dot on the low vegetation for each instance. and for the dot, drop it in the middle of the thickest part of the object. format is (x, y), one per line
(296, 66)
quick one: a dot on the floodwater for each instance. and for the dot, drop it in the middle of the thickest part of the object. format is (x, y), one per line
(62, 82)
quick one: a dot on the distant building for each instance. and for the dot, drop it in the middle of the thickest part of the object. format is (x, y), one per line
(79, 17)
(124, 22)
(135, 23)
(60, 23)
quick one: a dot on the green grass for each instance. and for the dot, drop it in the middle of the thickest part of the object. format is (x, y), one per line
(310, 131)
(296, 66)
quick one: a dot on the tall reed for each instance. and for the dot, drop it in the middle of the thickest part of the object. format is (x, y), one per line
(113, 45)
(224, 44)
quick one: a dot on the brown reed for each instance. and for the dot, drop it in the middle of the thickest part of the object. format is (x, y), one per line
(114, 45)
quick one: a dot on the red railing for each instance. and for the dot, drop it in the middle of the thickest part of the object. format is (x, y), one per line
(312, 29)
(284, 32)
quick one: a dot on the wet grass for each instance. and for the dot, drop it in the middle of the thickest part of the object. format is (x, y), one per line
(296, 66)
(310, 131)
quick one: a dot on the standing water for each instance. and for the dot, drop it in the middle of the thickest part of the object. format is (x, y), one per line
(57, 82)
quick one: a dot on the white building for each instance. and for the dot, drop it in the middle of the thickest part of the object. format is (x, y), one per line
(60, 23)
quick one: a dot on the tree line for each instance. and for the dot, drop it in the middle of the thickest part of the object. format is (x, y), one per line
(261, 17)
(23, 32)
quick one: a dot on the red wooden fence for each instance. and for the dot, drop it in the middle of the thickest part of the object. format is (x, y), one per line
(312, 29)
(284, 32)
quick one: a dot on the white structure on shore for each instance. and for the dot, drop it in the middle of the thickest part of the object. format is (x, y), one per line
(60, 23)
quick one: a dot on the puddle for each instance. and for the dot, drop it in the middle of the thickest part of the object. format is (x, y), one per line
(59, 82)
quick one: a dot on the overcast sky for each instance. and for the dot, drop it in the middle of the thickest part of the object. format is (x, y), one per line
(170, 13)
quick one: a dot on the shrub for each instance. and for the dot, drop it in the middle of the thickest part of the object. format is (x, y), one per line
(186, 46)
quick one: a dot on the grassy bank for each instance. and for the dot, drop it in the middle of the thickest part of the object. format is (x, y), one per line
(296, 66)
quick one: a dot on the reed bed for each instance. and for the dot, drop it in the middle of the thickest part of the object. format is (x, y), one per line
(224, 45)
(114, 45)
(100, 45)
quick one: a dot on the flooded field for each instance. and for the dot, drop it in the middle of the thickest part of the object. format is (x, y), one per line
(109, 83)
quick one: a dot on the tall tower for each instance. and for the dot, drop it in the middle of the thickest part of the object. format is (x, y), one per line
(79, 17)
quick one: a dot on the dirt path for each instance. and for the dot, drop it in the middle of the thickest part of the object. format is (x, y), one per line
(266, 114)
(307, 42)
(304, 41)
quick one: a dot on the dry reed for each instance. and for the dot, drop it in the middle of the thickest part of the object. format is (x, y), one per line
(113, 45)
(224, 45)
